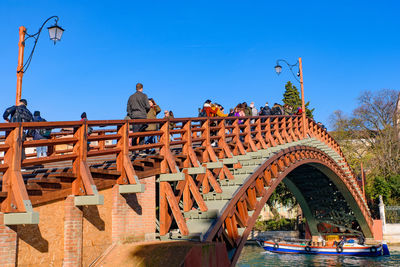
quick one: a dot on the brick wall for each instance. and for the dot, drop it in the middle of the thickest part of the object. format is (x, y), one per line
(73, 222)
(134, 215)
(8, 245)
(69, 235)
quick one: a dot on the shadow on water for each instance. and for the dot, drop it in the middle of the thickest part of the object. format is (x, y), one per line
(253, 255)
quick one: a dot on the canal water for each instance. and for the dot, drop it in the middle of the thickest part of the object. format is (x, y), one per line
(253, 255)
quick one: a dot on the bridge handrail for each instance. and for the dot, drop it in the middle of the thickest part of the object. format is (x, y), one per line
(113, 137)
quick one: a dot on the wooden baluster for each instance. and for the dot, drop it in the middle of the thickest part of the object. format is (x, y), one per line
(268, 135)
(102, 143)
(261, 143)
(17, 199)
(83, 184)
(124, 165)
(277, 133)
(222, 140)
(239, 149)
(248, 138)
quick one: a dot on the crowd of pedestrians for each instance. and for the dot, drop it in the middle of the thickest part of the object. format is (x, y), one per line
(139, 106)
(210, 109)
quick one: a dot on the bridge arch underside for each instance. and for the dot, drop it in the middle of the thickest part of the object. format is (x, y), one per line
(324, 201)
(321, 193)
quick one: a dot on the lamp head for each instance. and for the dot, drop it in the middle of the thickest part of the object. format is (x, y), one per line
(278, 69)
(55, 33)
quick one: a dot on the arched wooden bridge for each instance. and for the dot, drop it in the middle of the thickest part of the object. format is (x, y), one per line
(213, 175)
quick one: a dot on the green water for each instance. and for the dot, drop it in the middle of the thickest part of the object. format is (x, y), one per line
(253, 255)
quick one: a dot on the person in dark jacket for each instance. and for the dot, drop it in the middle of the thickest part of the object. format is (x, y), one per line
(276, 109)
(18, 113)
(89, 129)
(39, 134)
(137, 108)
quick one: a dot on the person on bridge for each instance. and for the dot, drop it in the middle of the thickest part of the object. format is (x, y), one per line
(137, 108)
(265, 111)
(89, 129)
(18, 113)
(152, 114)
(40, 134)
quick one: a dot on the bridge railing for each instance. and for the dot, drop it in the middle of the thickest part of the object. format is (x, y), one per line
(177, 143)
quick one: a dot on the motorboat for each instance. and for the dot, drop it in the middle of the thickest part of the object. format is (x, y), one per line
(348, 247)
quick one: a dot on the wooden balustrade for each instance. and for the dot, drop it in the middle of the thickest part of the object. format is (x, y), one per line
(191, 142)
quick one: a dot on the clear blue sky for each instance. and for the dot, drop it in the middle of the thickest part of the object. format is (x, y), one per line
(185, 52)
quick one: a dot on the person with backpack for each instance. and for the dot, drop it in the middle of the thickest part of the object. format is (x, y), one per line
(40, 134)
(276, 109)
(19, 113)
(266, 110)
(207, 110)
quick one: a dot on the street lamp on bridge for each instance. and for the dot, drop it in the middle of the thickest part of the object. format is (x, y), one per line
(278, 69)
(55, 33)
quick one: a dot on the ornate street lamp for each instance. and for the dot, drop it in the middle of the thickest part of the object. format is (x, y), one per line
(55, 33)
(278, 70)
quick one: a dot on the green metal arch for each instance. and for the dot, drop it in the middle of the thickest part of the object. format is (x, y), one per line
(320, 165)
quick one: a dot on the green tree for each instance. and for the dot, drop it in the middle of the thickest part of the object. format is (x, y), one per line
(291, 96)
(369, 135)
(281, 196)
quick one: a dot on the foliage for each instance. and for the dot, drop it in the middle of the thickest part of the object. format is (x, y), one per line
(292, 98)
(281, 196)
(275, 225)
(369, 135)
(388, 187)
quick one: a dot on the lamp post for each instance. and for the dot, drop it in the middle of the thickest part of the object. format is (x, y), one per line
(55, 33)
(278, 69)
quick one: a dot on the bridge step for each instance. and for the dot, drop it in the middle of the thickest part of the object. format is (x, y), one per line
(215, 204)
(230, 160)
(242, 157)
(231, 182)
(193, 236)
(214, 165)
(204, 215)
(218, 196)
(196, 170)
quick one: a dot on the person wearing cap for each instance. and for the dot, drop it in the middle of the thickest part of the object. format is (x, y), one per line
(18, 113)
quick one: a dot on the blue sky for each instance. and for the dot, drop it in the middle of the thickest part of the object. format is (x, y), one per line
(185, 52)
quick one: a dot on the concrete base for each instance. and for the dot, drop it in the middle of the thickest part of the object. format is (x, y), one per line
(131, 188)
(172, 177)
(21, 218)
(89, 200)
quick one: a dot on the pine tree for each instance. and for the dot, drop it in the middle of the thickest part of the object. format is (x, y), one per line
(292, 98)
